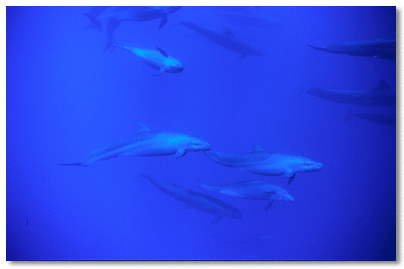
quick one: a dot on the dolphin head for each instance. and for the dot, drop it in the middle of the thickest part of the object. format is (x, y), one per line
(285, 196)
(173, 65)
(306, 165)
(196, 144)
(277, 193)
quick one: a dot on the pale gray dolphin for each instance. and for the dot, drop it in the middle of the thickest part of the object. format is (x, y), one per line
(255, 190)
(195, 199)
(382, 95)
(159, 60)
(147, 143)
(386, 119)
(225, 39)
(384, 49)
(265, 163)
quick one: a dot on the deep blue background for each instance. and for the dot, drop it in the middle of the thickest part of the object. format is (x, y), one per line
(66, 97)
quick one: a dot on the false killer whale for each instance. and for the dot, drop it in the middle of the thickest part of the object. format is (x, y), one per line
(265, 163)
(147, 143)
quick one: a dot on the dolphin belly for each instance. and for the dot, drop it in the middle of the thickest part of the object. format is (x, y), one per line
(266, 169)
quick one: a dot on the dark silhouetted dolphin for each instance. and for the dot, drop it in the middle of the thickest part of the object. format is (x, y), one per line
(255, 190)
(382, 95)
(246, 19)
(147, 143)
(195, 199)
(159, 60)
(387, 119)
(225, 39)
(384, 49)
(114, 16)
(265, 163)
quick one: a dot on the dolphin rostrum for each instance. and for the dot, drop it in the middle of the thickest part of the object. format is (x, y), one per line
(387, 119)
(159, 60)
(147, 143)
(195, 199)
(384, 49)
(225, 39)
(265, 163)
(382, 95)
(255, 190)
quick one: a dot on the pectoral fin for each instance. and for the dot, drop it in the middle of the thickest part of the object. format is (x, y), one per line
(289, 173)
(179, 153)
(291, 179)
(161, 71)
(269, 205)
(217, 219)
(163, 21)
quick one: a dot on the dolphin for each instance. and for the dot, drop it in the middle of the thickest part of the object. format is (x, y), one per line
(147, 143)
(118, 14)
(387, 119)
(114, 16)
(195, 199)
(382, 95)
(159, 60)
(225, 39)
(384, 49)
(261, 162)
(255, 190)
(246, 19)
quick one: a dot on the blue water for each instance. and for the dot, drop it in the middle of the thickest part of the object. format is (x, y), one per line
(66, 97)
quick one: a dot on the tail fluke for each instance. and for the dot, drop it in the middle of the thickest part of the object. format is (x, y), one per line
(163, 22)
(110, 45)
(317, 48)
(94, 23)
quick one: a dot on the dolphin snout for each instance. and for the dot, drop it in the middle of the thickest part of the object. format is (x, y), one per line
(318, 166)
(205, 146)
(290, 198)
(180, 67)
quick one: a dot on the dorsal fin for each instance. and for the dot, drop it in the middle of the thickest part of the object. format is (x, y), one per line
(163, 52)
(257, 148)
(142, 128)
(382, 86)
(229, 32)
